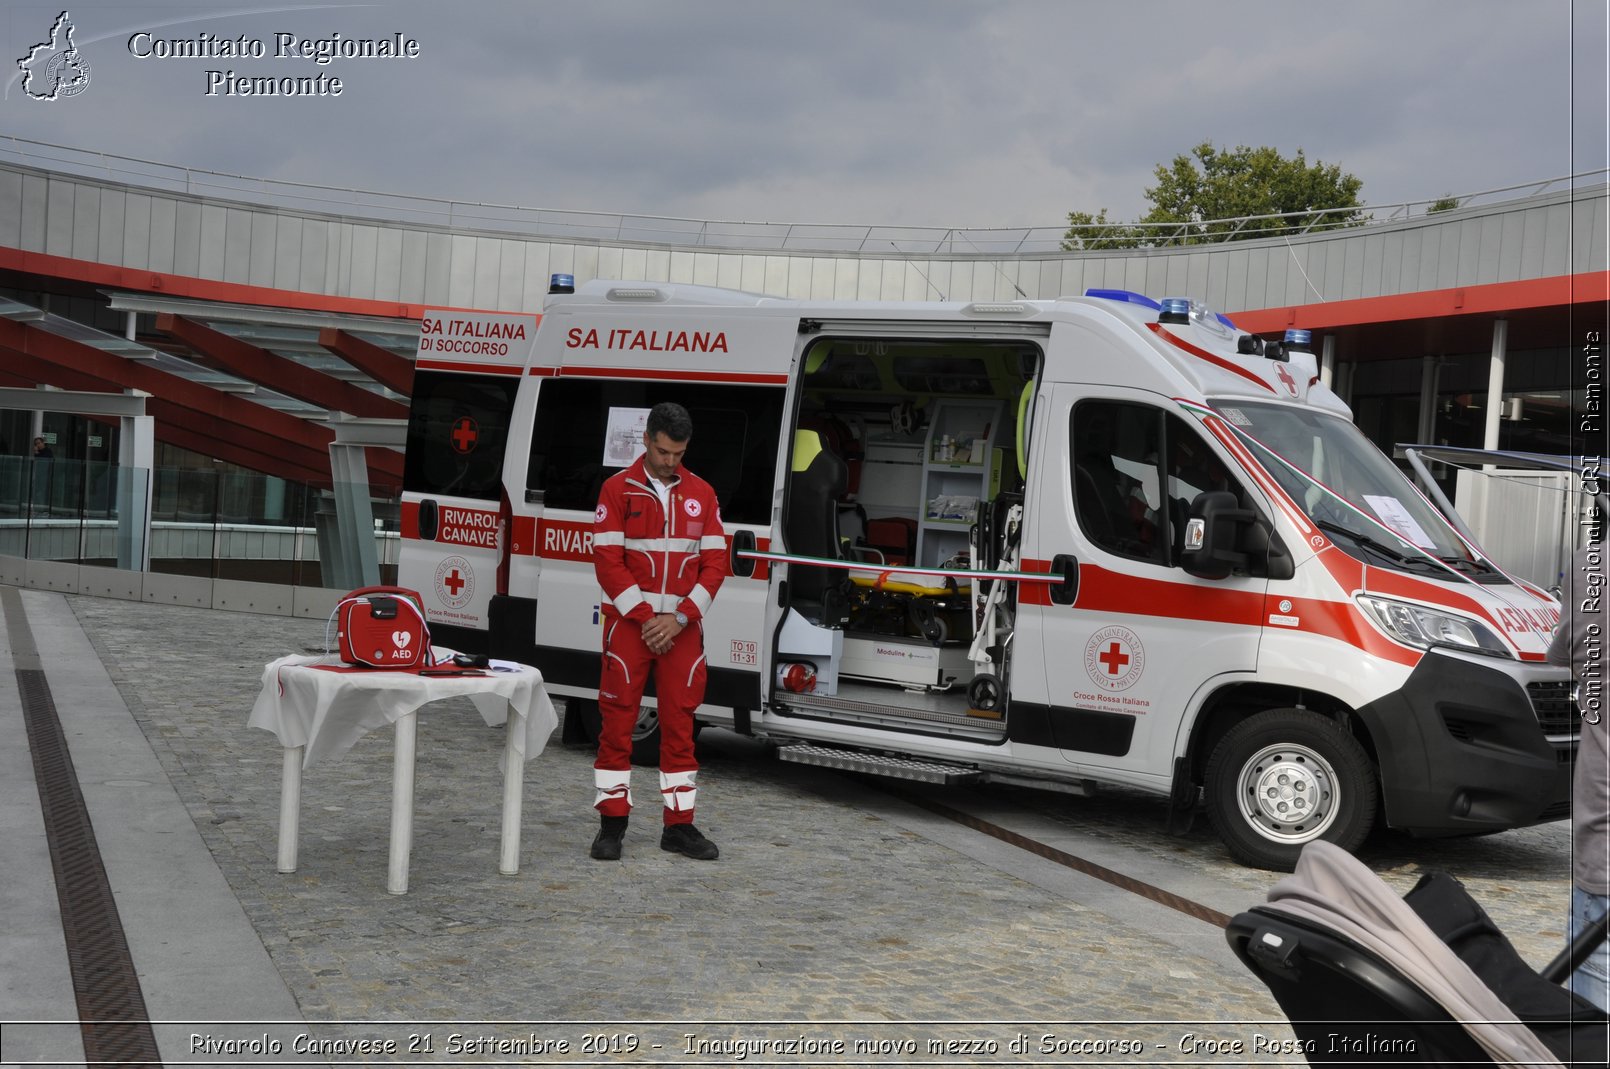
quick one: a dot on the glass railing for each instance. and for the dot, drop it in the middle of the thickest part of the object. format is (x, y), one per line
(209, 524)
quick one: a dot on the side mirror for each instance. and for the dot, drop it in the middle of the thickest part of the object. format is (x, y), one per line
(738, 564)
(1214, 535)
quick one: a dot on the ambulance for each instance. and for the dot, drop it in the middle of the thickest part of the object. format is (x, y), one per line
(1097, 541)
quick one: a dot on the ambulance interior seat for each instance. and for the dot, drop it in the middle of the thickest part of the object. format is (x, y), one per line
(815, 484)
(853, 534)
(1099, 502)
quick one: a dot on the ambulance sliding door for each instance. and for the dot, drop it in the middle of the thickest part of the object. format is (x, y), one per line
(1141, 639)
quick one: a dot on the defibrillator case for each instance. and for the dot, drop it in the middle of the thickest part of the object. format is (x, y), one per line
(383, 627)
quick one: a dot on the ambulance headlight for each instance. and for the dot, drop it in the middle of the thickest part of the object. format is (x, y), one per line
(1416, 625)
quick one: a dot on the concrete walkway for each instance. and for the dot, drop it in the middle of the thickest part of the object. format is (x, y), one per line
(855, 923)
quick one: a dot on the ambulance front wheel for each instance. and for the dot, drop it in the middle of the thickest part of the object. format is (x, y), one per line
(645, 733)
(1286, 777)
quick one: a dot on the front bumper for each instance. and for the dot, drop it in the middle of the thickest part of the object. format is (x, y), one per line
(1462, 751)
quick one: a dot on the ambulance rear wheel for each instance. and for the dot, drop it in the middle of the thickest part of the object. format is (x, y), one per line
(645, 733)
(1286, 777)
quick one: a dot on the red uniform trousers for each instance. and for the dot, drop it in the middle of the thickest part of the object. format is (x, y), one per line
(679, 675)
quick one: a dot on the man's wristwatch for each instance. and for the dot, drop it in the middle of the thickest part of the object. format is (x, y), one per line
(681, 619)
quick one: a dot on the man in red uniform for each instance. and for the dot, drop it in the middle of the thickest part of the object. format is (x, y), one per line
(660, 556)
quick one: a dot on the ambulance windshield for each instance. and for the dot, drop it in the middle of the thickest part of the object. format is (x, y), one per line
(1348, 487)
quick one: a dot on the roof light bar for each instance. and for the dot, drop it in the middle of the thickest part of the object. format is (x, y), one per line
(1299, 341)
(639, 293)
(1006, 308)
(561, 283)
(1128, 296)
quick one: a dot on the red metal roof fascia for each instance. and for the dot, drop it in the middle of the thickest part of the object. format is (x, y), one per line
(385, 367)
(276, 431)
(182, 426)
(1491, 299)
(128, 375)
(36, 370)
(132, 278)
(238, 444)
(256, 364)
(188, 437)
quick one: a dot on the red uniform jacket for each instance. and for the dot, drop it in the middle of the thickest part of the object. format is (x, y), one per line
(649, 561)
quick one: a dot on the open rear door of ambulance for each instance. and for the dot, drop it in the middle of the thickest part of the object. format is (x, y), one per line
(455, 514)
(623, 348)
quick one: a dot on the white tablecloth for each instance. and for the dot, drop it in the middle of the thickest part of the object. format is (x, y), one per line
(326, 712)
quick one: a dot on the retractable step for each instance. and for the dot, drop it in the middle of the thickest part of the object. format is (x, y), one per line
(878, 764)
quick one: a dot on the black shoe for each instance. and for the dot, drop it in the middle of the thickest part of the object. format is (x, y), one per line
(607, 843)
(687, 840)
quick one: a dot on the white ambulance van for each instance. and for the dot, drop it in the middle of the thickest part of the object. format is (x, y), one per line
(1101, 540)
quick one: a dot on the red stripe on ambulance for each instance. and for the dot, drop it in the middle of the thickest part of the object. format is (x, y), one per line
(455, 526)
(1101, 590)
(565, 540)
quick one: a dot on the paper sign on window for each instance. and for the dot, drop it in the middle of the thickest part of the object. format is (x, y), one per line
(1395, 516)
(623, 439)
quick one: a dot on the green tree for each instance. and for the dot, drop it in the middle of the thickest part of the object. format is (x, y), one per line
(1086, 231)
(1199, 191)
(1443, 204)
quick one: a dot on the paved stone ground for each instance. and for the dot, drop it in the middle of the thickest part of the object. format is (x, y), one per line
(821, 916)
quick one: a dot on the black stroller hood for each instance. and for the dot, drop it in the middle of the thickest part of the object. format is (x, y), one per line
(1369, 978)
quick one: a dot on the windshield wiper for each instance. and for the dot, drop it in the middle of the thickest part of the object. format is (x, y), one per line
(1364, 540)
(1467, 564)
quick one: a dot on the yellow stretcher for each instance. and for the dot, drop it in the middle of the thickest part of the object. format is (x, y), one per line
(892, 602)
(918, 585)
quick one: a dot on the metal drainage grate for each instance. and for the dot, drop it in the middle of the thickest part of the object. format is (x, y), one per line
(115, 1025)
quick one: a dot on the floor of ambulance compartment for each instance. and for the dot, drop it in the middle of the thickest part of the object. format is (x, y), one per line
(888, 705)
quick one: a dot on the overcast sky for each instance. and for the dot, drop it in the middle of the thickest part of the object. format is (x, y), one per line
(967, 113)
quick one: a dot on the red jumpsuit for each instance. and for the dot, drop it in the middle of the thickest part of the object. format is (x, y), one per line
(651, 560)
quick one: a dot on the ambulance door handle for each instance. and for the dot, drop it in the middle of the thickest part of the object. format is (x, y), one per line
(427, 520)
(742, 541)
(1067, 566)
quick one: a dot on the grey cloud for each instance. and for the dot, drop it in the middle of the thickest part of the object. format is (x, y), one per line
(941, 112)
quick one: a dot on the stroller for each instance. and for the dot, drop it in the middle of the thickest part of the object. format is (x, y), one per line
(1370, 979)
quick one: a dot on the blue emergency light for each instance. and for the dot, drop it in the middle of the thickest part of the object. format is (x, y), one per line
(558, 283)
(1127, 296)
(1299, 341)
(1175, 310)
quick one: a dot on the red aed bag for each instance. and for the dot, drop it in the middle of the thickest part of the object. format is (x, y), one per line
(383, 627)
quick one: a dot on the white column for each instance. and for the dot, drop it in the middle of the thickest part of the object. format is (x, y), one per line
(1495, 383)
(1428, 399)
(1327, 361)
(136, 459)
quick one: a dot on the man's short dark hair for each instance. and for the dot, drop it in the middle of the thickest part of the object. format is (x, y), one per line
(670, 419)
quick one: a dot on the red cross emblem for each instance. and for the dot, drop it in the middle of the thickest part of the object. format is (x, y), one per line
(1285, 379)
(454, 582)
(464, 434)
(1114, 659)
